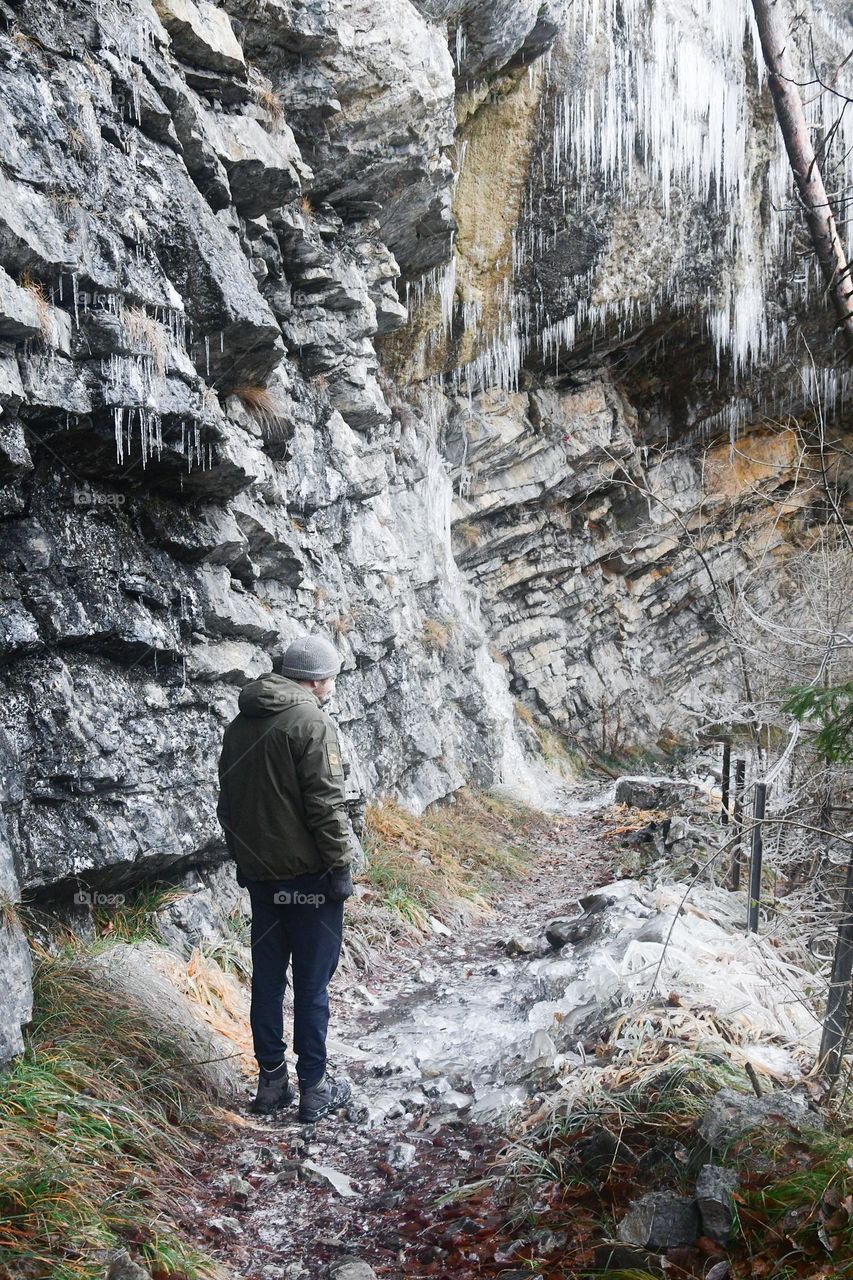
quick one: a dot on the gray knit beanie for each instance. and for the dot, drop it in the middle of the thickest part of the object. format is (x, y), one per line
(310, 658)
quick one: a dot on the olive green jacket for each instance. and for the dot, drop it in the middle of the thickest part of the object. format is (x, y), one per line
(282, 803)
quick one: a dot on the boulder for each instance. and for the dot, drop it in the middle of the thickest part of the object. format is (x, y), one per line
(140, 974)
(660, 1220)
(654, 793)
(715, 1189)
(202, 34)
(731, 1115)
(520, 945)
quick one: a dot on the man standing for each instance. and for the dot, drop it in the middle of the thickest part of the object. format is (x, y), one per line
(282, 805)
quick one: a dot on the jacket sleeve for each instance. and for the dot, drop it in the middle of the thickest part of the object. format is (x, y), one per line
(321, 779)
(223, 807)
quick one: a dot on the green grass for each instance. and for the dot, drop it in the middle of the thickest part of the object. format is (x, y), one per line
(796, 1190)
(97, 1125)
(133, 919)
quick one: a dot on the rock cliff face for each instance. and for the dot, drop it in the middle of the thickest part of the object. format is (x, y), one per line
(205, 212)
(297, 309)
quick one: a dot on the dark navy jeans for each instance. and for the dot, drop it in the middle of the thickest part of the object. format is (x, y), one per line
(293, 923)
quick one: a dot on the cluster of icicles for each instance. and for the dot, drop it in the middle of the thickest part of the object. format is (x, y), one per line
(659, 117)
(132, 384)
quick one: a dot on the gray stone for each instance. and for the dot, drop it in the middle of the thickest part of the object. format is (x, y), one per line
(122, 1267)
(568, 929)
(201, 33)
(238, 1188)
(660, 1220)
(143, 975)
(715, 1187)
(226, 1226)
(350, 1269)
(519, 945)
(401, 1154)
(731, 1115)
(206, 912)
(654, 793)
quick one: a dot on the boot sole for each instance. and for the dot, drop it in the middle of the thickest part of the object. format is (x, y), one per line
(314, 1116)
(271, 1108)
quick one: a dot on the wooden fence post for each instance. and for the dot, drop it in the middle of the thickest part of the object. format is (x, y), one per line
(755, 857)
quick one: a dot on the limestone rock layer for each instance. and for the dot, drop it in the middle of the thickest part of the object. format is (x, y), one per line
(284, 332)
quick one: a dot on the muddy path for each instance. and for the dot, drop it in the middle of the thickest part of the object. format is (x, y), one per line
(441, 1056)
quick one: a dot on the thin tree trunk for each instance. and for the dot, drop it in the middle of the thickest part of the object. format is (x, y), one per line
(774, 31)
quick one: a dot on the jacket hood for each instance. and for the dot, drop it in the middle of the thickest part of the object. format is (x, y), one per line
(271, 693)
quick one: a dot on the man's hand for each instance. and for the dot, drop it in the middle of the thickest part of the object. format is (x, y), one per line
(339, 885)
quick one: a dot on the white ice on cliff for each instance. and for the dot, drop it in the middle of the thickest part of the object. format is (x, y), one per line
(662, 111)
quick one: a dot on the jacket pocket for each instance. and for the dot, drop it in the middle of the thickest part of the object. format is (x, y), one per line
(333, 759)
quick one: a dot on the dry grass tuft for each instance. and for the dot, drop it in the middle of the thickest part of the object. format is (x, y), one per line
(469, 533)
(524, 713)
(97, 1123)
(499, 657)
(149, 336)
(558, 755)
(342, 625)
(436, 634)
(261, 404)
(44, 310)
(446, 863)
(271, 102)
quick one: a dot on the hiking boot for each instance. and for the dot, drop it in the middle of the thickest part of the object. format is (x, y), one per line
(274, 1091)
(321, 1098)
